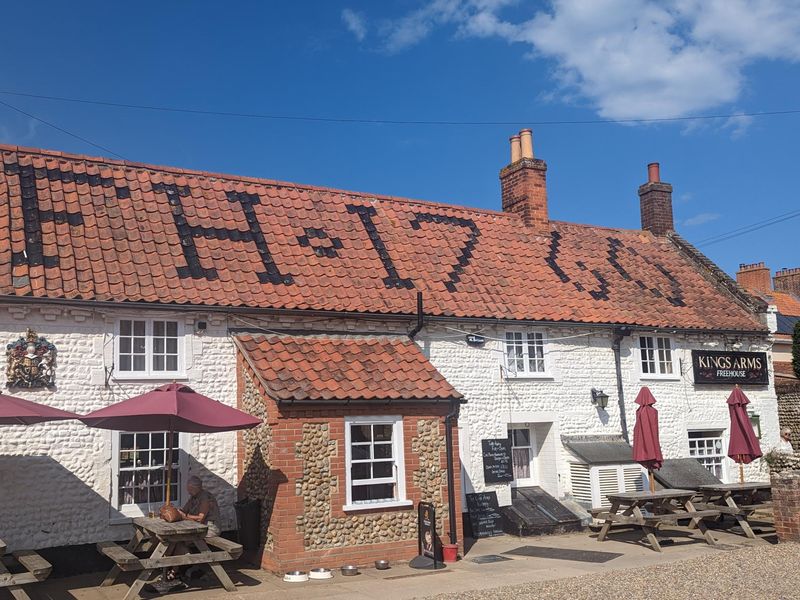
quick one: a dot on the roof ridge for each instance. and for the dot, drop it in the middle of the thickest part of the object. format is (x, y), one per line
(233, 178)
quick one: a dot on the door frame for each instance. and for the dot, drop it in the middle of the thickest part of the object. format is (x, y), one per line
(534, 455)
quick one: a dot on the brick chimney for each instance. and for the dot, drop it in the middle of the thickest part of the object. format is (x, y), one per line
(655, 200)
(755, 277)
(788, 280)
(524, 184)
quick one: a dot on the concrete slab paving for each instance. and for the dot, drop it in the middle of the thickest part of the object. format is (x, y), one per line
(403, 583)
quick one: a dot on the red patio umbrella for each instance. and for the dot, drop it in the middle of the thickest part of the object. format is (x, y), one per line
(174, 408)
(16, 411)
(646, 447)
(743, 447)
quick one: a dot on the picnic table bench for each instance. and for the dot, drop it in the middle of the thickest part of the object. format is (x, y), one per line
(648, 510)
(164, 537)
(740, 500)
(36, 569)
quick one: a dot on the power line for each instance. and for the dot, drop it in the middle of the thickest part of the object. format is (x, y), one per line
(734, 233)
(346, 120)
(61, 129)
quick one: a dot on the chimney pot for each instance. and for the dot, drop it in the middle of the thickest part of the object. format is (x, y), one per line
(653, 173)
(516, 150)
(526, 143)
(788, 280)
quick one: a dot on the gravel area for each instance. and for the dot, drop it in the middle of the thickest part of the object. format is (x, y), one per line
(754, 573)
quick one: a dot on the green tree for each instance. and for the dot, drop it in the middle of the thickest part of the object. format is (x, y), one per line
(796, 350)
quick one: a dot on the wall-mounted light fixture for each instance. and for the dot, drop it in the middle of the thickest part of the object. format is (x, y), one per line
(599, 398)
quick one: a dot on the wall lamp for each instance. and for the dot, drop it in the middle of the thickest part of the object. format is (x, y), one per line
(599, 398)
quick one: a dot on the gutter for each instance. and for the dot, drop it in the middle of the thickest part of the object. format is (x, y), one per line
(305, 312)
(451, 494)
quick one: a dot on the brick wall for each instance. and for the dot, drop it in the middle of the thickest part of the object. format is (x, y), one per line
(789, 410)
(307, 526)
(788, 280)
(524, 192)
(754, 276)
(655, 200)
(786, 505)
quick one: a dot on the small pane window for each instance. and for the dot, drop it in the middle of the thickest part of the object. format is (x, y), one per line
(148, 347)
(707, 447)
(132, 346)
(373, 461)
(140, 469)
(656, 356)
(525, 353)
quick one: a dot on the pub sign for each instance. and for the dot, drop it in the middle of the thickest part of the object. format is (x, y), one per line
(722, 367)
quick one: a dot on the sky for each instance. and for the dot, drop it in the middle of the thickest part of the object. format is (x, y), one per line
(522, 63)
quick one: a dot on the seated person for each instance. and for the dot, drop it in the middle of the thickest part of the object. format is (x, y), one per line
(202, 506)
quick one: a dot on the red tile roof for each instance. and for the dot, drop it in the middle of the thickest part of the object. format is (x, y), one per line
(337, 368)
(74, 227)
(787, 304)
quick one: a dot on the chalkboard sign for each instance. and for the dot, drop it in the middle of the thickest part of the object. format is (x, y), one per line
(484, 515)
(497, 460)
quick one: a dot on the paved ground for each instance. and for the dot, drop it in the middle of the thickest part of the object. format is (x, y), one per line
(739, 568)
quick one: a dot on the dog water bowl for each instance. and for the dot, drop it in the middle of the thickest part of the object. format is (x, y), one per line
(381, 565)
(349, 570)
(295, 577)
(320, 574)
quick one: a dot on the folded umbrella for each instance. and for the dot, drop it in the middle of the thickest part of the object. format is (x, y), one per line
(646, 447)
(743, 447)
(174, 408)
(16, 411)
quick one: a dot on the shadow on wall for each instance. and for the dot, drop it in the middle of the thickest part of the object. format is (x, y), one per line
(261, 483)
(43, 504)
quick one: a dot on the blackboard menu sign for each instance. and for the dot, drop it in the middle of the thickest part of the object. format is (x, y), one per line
(484, 515)
(744, 368)
(497, 460)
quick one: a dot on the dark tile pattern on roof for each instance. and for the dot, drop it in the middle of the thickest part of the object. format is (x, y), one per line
(78, 228)
(337, 368)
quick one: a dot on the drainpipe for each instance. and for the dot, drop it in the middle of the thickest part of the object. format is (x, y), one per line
(420, 318)
(451, 494)
(619, 333)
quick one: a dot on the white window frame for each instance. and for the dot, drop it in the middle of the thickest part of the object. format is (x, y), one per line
(526, 373)
(720, 458)
(129, 511)
(149, 372)
(533, 462)
(640, 358)
(398, 453)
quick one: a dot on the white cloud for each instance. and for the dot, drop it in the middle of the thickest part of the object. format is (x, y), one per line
(355, 23)
(631, 59)
(701, 219)
(738, 125)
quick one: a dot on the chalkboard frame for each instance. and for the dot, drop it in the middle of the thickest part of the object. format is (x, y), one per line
(494, 472)
(475, 520)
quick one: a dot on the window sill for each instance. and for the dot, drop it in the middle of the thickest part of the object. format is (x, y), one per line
(649, 377)
(167, 377)
(378, 505)
(533, 377)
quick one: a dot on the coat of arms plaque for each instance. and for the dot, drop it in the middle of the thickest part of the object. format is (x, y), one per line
(31, 362)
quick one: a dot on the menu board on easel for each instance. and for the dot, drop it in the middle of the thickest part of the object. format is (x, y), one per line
(497, 467)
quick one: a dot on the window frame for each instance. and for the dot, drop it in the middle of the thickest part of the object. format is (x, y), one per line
(129, 511)
(149, 372)
(721, 435)
(674, 362)
(398, 449)
(526, 373)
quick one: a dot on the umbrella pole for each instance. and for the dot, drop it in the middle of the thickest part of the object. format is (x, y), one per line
(652, 479)
(168, 466)
(741, 470)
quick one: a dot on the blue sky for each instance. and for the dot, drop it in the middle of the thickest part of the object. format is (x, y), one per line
(454, 60)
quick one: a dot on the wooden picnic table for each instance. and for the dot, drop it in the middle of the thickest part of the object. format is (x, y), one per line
(662, 506)
(164, 537)
(740, 500)
(36, 569)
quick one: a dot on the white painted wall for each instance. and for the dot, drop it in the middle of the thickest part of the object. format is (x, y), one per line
(578, 364)
(56, 478)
